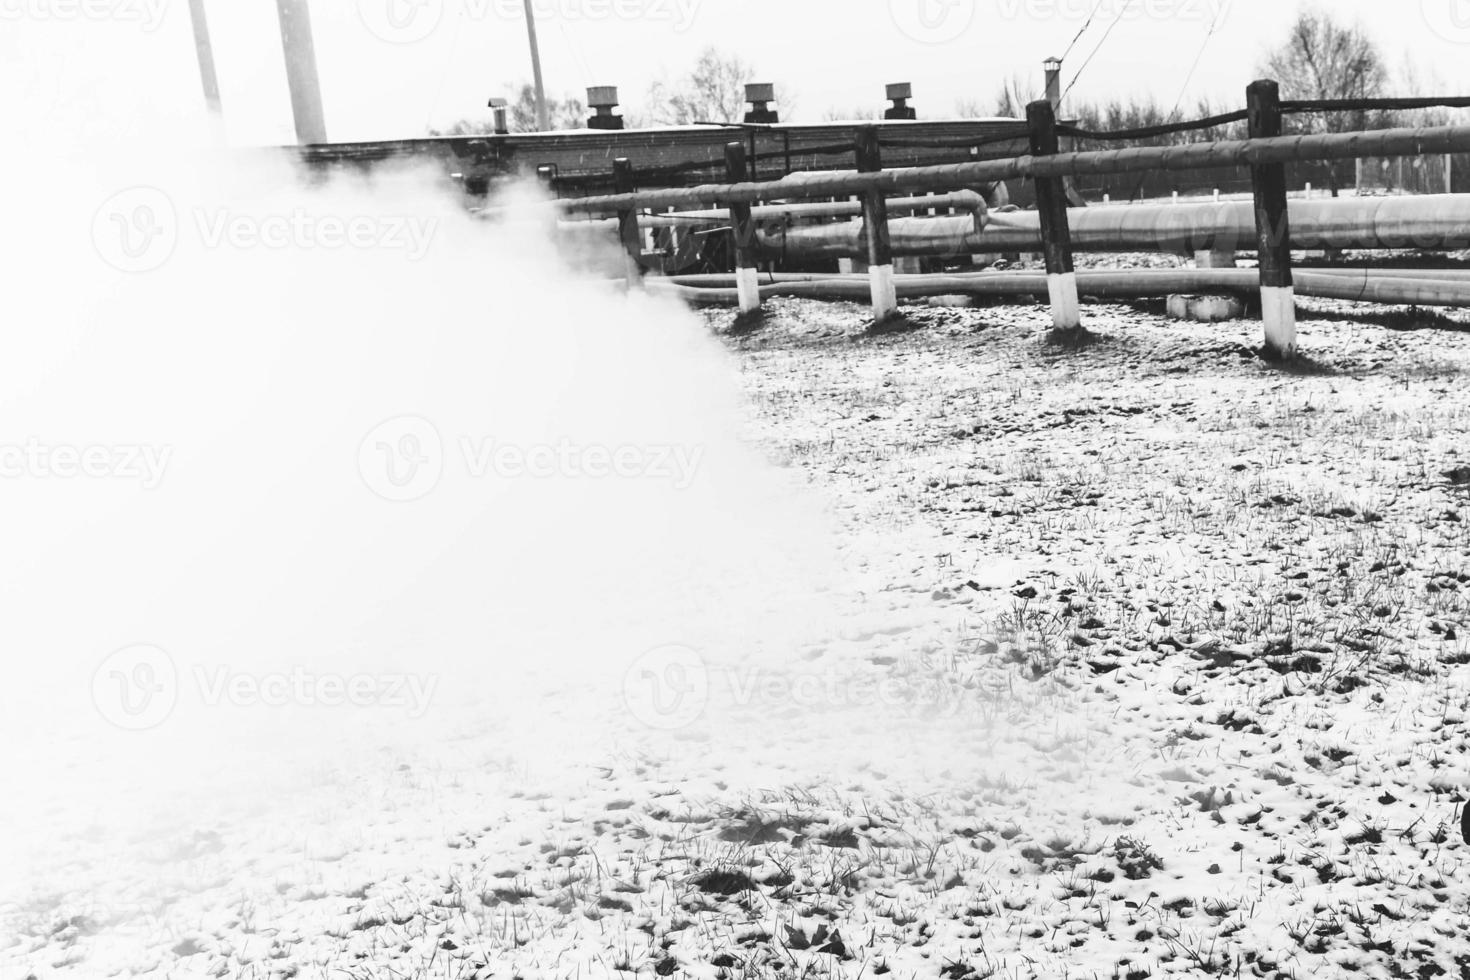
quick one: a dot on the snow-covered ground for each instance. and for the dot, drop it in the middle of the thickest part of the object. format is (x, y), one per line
(1139, 659)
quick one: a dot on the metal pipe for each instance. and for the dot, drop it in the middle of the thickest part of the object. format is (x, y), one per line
(1189, 156)
(1129, 284)
(969, 201)
(1439, 221)
(720, 280)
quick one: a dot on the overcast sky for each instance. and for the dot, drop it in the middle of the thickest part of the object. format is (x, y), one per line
(392, 68)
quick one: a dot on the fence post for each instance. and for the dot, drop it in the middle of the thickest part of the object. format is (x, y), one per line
(742, 227)
(628, 232)
(1056, 235)
(875, 227)
(1273, 230)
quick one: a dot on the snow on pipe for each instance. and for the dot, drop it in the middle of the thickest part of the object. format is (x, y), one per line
(1128, 284)
(1439, 221)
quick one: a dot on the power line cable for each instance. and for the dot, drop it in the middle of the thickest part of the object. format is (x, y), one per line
(1107, 34)
(1199, 56)
(448, 66)
(1085, 25)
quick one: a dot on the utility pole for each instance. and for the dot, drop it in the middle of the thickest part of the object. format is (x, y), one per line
(301, 75)
(205, 51)
(543, 116)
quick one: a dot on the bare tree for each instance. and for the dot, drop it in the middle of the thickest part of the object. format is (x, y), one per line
(565, 113)
(1324, 58)
(713, 91)
(1016, 93)
(856, 114)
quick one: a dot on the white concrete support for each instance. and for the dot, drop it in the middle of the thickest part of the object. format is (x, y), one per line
(1066, 308)
(1278, 312)
(748, 287)
(885, 291)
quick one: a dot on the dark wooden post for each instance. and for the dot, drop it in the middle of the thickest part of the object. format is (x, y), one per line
(875, 227)
(1273, 229)
(628, 232)
(1056, 234)
(742, 228)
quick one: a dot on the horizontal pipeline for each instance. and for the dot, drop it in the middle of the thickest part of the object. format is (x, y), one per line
(727, 280)
(1190, 156)
(968, 201)
(1430, 222)
(1128, 284)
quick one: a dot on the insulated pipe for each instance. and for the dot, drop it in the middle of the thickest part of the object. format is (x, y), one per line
(1188, 156)
(970, 201)
(1132, 284)
(724, 279)
(1439, 221)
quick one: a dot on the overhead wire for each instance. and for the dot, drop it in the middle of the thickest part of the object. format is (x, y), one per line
(1107, 34)
(1085, 25)
(444, 72)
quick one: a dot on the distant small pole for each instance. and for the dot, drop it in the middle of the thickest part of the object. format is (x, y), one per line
(742, 227)
(1273, 229)
(875, 227)
(628, 232)
(1056, 234)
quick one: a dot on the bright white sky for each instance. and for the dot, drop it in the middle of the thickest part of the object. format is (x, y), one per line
(390, 68)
